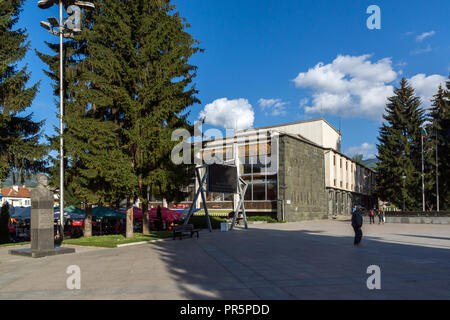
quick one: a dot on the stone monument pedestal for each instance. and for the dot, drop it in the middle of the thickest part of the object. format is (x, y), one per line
(42, 229)
(39, 254)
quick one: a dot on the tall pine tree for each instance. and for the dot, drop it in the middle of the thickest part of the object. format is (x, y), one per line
(399, 149)
(19, 134)
(128, 86)
(439, 128)
(140, 79)
(95, 169)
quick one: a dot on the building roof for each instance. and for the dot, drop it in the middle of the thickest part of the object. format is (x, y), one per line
(293, 123)
(271, 127)
(15, 192)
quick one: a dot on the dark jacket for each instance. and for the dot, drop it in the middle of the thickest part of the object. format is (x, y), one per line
(357, 219)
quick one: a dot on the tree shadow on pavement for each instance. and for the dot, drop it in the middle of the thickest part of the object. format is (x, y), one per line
(275, 263)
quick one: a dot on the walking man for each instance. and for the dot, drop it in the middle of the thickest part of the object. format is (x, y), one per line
(380, 217)
(357, 222)
(372, 216)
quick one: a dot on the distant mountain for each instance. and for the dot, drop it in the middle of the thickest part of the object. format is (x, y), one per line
(370, 163)
(8, 182)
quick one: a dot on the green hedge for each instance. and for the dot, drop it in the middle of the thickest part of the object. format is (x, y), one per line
(199, 222)
(262, 218)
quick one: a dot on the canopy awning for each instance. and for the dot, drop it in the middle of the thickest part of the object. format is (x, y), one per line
(107, 213)
(168, 215)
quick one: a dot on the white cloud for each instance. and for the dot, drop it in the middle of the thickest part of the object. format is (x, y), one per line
(229, 114)
(275, 106)
(424, 35)
(303, 102)
(353, 86)
(350, 86)
(426, 87)
(367, 150)
(422, 50)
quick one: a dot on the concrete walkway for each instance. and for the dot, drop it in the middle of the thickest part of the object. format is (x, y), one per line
(309, 260)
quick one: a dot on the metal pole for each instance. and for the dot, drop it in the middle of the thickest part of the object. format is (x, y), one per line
(423, 183)
(205, 205)
(403, 191)
(243, 204)
(437, 174)
(61, 130)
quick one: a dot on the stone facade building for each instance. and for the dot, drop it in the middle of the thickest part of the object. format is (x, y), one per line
(294, 172)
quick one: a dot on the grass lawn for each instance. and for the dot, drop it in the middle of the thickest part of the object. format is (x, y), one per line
(14, 244)
(111, 241)
(214, 212)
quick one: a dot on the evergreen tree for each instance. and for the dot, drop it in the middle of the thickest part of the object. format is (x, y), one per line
(139, 79)
(70, 54)
(95, 170)
(19, 134)
(399, 149)
(127, 88)
(439, 127)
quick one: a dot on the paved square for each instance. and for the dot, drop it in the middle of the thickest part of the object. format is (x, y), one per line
(308, 260)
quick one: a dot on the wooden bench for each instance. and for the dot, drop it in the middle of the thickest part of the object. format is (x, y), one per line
(184, 230)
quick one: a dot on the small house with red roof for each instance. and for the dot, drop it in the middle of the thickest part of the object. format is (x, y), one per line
(15, 196)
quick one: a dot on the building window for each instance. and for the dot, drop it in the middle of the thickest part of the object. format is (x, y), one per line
(335, 182)
(246, 166)
(340, 163)
(334, 160)
(259, 166)
(346, 165)
(219, 197)
(341, 184)
(259, 191)
(228, 197)
(214, 197)
(346, 185)
(249, 193)
(271, 191)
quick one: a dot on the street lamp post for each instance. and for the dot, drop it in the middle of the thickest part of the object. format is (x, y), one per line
(422, 135)
(437, 169)
(61, 113)
(73, 24)
(403, 192)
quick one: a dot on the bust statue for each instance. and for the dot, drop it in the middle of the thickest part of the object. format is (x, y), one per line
(42, 180)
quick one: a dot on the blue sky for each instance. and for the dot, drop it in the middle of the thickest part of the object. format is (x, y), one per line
(261, 64)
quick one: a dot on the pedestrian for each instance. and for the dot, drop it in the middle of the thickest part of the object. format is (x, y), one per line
(380, 217)
(357, 222)
(372, 216)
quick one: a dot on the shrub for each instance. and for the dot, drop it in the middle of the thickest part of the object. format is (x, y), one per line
(262, 218)
(199, 222)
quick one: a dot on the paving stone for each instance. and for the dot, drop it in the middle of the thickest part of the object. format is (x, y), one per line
(308, 260)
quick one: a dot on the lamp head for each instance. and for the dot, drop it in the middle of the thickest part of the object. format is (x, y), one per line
(45, 25)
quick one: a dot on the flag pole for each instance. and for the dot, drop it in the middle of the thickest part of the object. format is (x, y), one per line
(423, 182)
(437, 169)
(61, 111)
